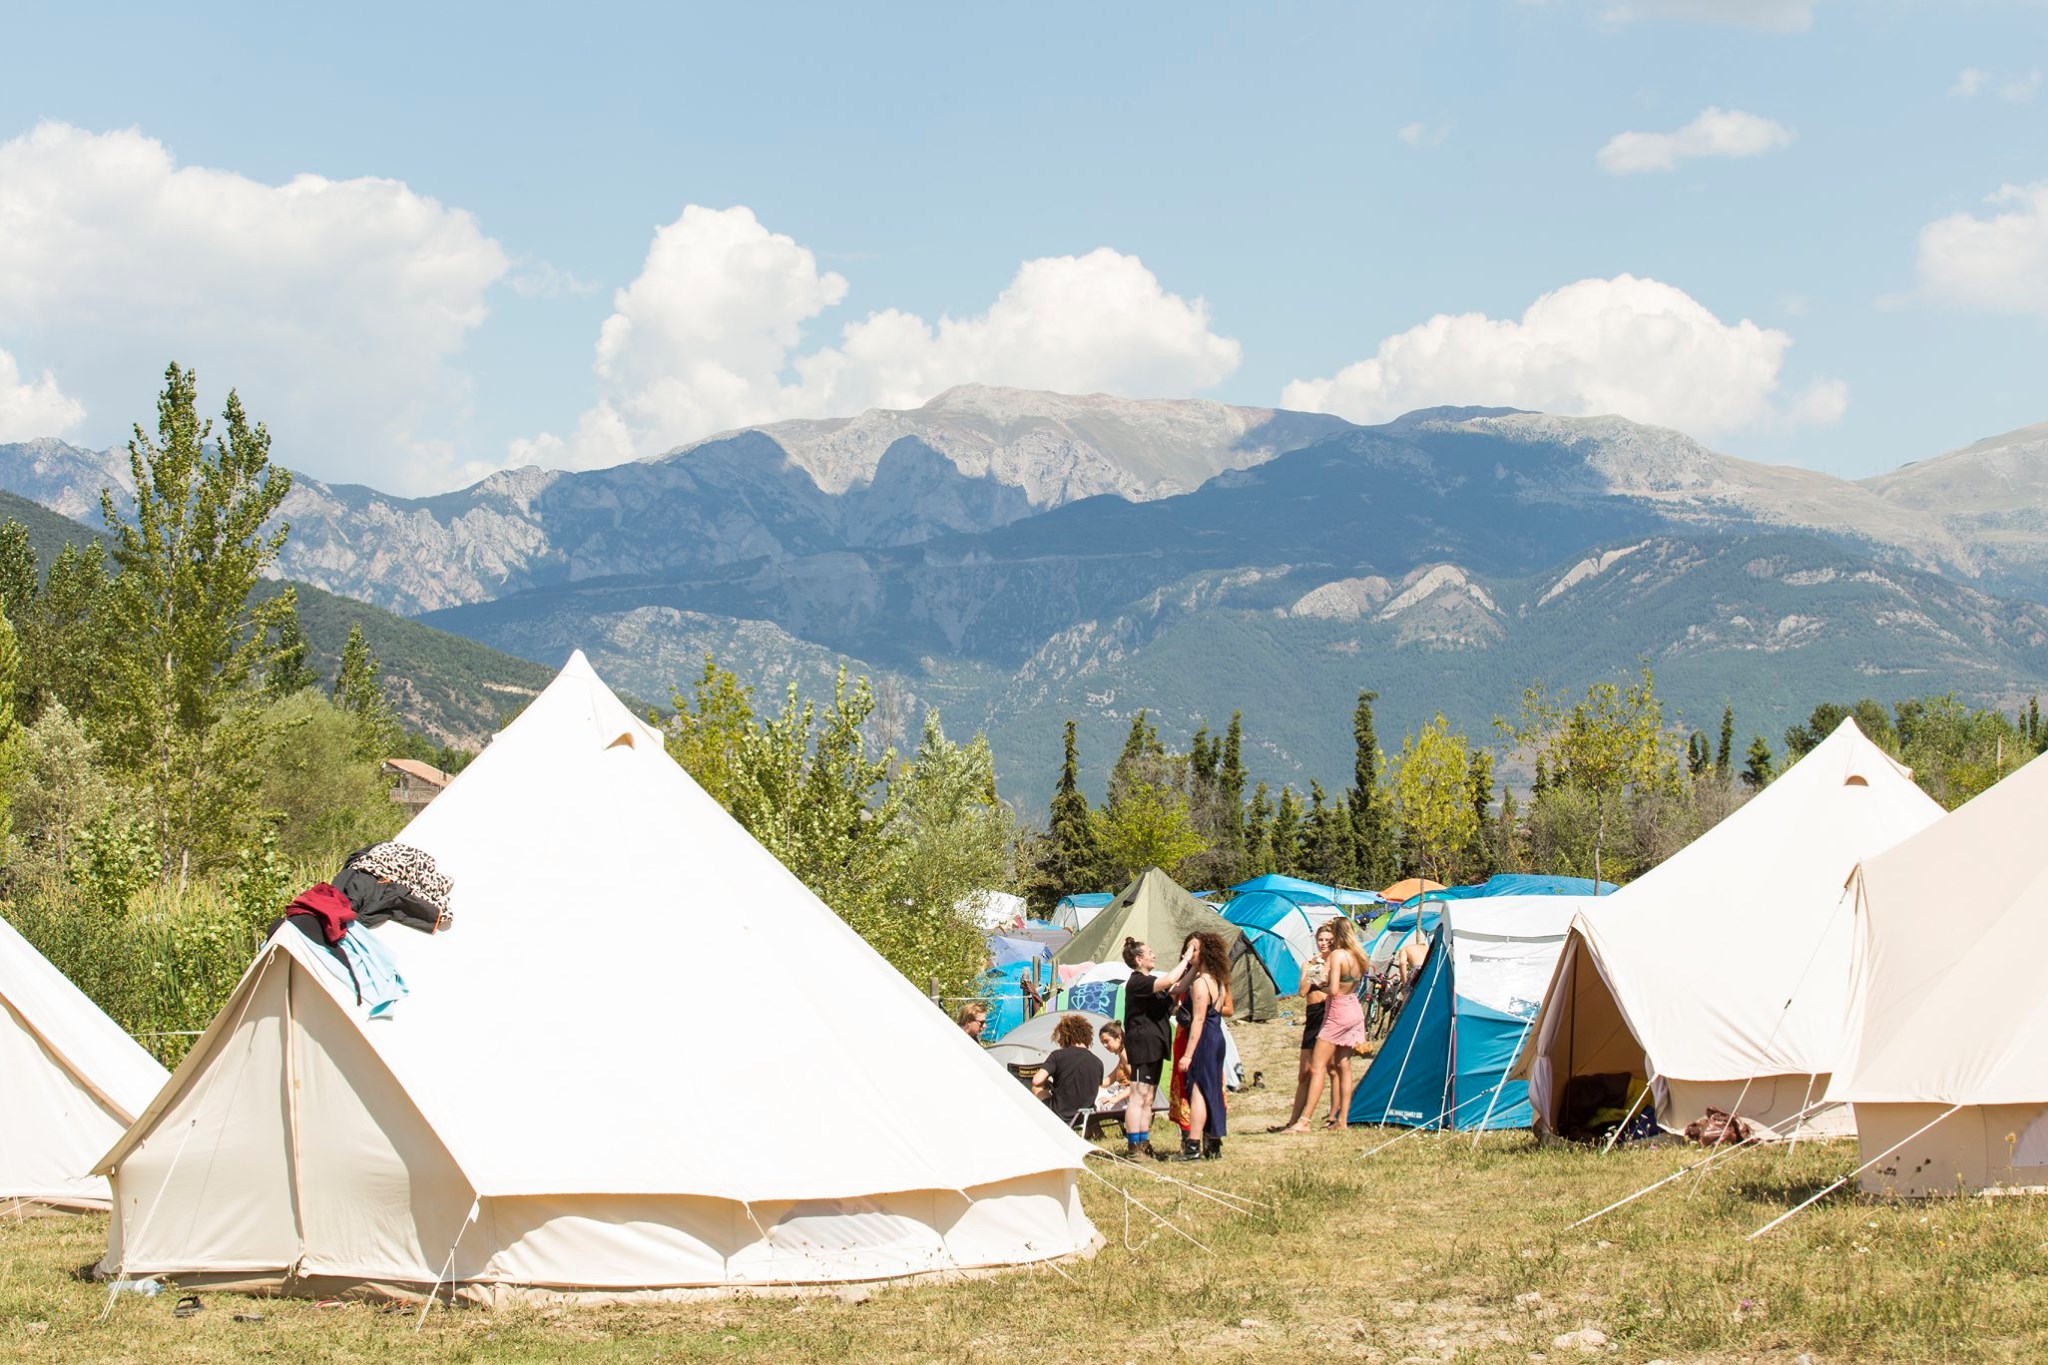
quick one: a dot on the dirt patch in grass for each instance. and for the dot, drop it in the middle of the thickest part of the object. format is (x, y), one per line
(1428, 1250)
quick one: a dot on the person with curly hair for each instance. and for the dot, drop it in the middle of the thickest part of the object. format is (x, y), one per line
(1072, 1074)
(1199, 1062)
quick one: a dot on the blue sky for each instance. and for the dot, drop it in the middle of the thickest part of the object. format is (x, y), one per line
(491, 177)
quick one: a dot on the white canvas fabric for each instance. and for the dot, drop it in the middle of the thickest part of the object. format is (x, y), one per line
(70, 1081)
(1947, 1006)
(1723, 973)
(1504, 948)
(992, 911)
(593, 1082)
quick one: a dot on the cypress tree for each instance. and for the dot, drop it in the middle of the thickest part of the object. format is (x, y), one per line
(1069, 864)
(1724, 757)
(1372, 856)
(357, 690)
(1757, 774)
(1258, 834)
(1287, 833)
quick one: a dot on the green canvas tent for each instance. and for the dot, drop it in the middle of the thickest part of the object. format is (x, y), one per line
(1156, 910)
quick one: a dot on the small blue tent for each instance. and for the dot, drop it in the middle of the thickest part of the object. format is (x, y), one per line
(1445, 1064)
(1282, 931)
(1006, 950)
(1072, 913)
(1519, 884)
(1308, 892)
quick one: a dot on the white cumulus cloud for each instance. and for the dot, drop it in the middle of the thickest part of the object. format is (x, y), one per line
(36, 407)
(1997, 262)
(1716, 132)
(337, 307)
(711, 335)
(1420, 135)
(1772, 16)
(1634, 347)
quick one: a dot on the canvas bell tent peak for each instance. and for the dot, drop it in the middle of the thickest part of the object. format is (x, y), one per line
(1157, 910)
(584, 1089)
(1947, 1062)
(70, 1082)
(1721, 976)
(1445, 1063)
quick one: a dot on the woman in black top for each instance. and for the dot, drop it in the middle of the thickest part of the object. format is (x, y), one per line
(1072, 1074)
(1148, 1037)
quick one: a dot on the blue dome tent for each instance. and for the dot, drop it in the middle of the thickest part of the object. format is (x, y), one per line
(1445, 1064)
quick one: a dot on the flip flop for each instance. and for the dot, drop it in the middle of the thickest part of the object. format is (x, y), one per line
(188, 1307)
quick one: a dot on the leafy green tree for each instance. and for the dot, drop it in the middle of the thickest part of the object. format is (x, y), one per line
(186, 636)
(1146, 825)
(1870, 717)
(13, 742)
(62, 791)
(953, 841)
(1432, 795)
(359, 692)
(320, 793)
(20, 580)
(712, 733)
(1757, 771)
(1954, 750)
(290, 669)
(1609, 746)
(64, 636)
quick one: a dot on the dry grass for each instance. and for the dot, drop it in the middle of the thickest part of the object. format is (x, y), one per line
(1429, 1250)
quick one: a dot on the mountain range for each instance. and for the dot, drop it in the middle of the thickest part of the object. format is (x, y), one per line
(1015, 558)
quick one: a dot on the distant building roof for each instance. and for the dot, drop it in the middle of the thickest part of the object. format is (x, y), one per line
(425, 772)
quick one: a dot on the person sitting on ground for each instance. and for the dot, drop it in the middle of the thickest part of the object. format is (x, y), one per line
(972, 1018)
(1072, 1074)
(1116, 1086)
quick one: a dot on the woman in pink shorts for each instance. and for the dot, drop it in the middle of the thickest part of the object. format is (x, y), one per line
(1343, 1023)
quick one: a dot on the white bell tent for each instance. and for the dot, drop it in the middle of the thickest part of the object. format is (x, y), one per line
(72, 1081)
(644, 1060)
(1721, 976)
(1947, 1063)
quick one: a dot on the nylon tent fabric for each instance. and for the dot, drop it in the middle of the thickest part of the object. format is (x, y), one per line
(1308, 892)
(1282, 931)
(72, 1081)
(1521, 884)
(1072, 913)
(1006, 950)
(1946, 1006)
(1445, 1062)
(558, 1105)
(1767, 885)
(1155, 909)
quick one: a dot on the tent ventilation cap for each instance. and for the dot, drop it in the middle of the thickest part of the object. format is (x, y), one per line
(625, 738)
(1855, 780)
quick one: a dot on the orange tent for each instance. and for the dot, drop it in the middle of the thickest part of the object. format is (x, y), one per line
(1413, 886)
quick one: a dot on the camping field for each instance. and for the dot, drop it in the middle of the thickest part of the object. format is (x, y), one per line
(1428, 1250)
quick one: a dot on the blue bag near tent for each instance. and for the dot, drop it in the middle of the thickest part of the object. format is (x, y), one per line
(1446, 1061)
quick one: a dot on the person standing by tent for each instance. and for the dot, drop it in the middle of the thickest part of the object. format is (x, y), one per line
(1344, 967)
(1315, 994)
(1148, 1037)
(1200, 1059)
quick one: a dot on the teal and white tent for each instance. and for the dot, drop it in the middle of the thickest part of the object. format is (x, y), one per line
(1445, 1064)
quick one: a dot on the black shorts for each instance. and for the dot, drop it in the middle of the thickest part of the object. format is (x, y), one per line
(1313, 1024)
(1146, 1073)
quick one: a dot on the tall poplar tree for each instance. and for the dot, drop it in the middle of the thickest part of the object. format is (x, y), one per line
(185, 640)
(359, 690)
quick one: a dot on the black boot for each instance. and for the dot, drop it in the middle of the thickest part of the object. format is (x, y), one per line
(1212, 1148)
(1190, 1150)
